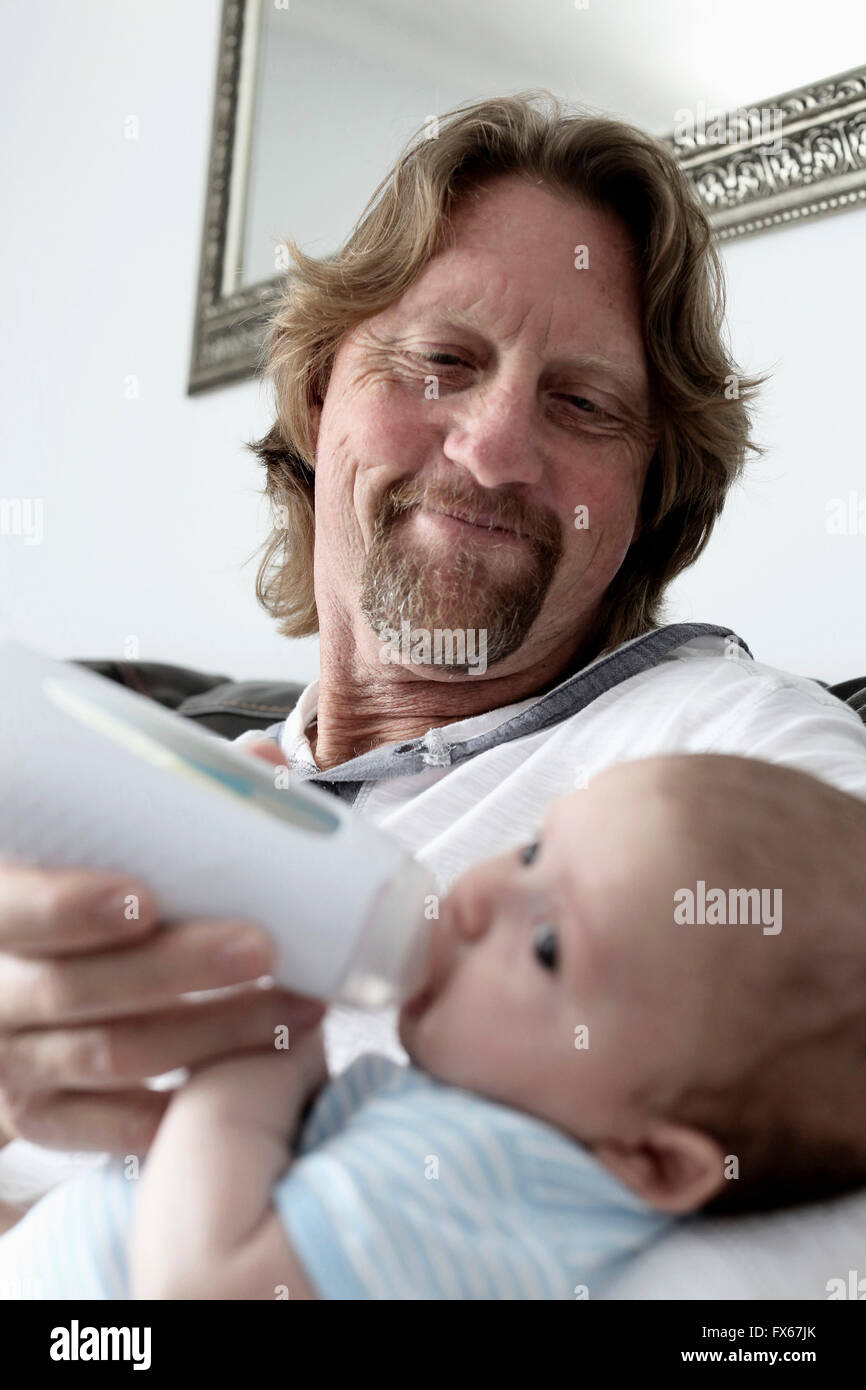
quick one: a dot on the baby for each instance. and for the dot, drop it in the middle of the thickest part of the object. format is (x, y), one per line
(656, 1009)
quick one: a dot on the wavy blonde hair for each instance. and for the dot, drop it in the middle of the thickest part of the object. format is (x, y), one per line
(700, 397)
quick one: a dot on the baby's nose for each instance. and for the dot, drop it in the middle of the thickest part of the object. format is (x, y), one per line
(465, 916)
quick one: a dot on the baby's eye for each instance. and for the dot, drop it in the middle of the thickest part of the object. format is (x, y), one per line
(546, 946)
(529, 853)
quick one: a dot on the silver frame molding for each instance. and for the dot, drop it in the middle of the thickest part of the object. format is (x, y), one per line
(817, 166)
(229, 329)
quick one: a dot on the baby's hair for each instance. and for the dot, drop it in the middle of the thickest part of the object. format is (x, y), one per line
(795, 1118)
(789, 1170)
(792, 1144)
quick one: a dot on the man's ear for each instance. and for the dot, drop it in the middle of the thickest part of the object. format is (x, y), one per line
(315, 422)
(673, 1167)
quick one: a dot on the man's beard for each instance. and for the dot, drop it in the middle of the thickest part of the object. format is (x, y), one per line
(459, 586)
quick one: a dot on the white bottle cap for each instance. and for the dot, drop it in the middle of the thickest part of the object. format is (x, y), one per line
(393, 955)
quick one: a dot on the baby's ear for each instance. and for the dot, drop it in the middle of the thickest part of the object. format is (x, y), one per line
(673, 1167)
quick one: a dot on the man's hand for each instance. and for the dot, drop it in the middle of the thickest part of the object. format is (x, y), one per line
(90, 1005)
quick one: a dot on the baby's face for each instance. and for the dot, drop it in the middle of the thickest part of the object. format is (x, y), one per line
(560, 980)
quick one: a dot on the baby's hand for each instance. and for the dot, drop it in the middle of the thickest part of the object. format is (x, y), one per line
(204, 1200)
(268, 1087)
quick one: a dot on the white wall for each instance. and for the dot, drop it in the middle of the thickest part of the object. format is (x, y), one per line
(151, 506)
(795, 592)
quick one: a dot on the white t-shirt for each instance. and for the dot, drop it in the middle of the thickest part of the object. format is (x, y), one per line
(698, 693)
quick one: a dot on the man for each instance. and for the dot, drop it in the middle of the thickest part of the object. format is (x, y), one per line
(504, 415)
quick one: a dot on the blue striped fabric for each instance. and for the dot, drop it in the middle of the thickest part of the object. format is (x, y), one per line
(401, 1188)
(404, 1188)
(71, 1244)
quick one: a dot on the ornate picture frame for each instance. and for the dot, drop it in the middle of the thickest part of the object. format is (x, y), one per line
(795, 156)
(814, 164)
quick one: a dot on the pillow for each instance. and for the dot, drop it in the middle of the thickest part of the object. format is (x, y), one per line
(786, 1254)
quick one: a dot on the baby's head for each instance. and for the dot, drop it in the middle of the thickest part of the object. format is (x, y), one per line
(676, 976)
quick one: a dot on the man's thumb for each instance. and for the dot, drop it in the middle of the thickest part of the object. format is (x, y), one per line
(268, 750)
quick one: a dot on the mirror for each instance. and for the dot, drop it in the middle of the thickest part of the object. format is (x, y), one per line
(314, 99)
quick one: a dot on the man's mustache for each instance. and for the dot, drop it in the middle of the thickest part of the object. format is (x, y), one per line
(495, 509)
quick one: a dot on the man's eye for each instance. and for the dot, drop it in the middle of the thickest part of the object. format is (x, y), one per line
(546, 947)
(586, 407)
(444, 359)
(528, 854)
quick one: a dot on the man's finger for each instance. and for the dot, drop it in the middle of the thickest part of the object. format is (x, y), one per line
(193, 956)
(120, 1052)
(268, 750)
(55, 911)
(117, 1123)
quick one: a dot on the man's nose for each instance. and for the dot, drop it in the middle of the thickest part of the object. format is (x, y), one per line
(494, 435)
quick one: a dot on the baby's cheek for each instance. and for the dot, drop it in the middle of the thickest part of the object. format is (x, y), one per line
(457, 1041)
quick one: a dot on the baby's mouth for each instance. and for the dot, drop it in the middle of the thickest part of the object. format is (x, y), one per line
(441, 958)
(419, 1003)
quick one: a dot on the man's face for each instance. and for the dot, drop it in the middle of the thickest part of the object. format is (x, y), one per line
(511, 387)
